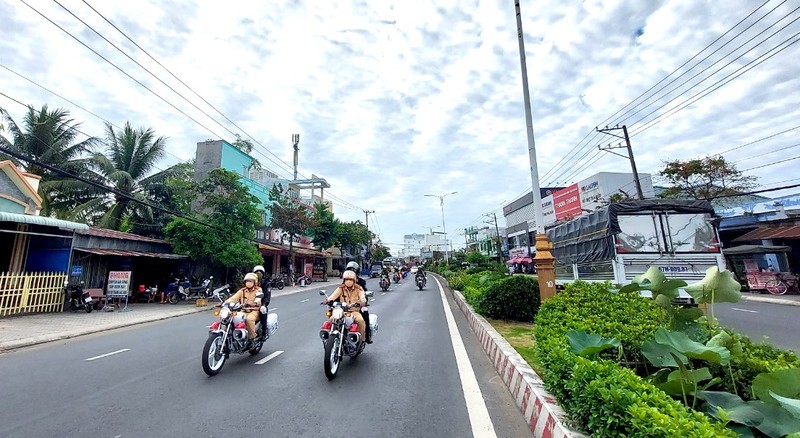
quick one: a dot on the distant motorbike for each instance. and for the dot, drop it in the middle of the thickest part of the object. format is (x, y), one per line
(421, 281)
(385, 283)
(277, 282)
(221, 293)
(340, 335)
(397, 277)
(229, 335)
(78, 298)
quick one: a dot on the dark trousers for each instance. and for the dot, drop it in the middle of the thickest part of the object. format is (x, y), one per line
(365, 314)
(263, 318)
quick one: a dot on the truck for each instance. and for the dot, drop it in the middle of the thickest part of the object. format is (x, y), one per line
(622, 240)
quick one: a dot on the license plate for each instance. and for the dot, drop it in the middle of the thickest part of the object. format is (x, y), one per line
(88, 299)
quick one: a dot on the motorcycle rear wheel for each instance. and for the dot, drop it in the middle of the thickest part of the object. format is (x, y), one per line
(88, 307)
(173, 299)
(279, 285)
(211, 364)
(332, 360)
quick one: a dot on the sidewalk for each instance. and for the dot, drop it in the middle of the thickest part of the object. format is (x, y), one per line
(26, 330)
(790, 300)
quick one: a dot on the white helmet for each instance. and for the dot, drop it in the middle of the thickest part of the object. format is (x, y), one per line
(352, 266)
(259, 268)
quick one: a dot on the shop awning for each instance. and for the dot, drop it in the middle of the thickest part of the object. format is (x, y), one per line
(41, 220)
(755, 249)
(305, 251)
(264, 246)
(520, 260)
(127, 253)
(766, 232)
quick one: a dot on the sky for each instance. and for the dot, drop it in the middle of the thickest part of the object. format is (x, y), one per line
(397, 100)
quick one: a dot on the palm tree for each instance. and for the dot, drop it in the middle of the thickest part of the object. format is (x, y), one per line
(49, 137)
(131, 156)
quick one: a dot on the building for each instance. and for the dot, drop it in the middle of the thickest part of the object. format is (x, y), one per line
(563, 203)
(412, 245)
(273, 243)
(484, 240)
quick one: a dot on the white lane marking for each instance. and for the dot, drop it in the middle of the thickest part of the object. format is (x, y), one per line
(268, 358)
(744, 310)
(383, 294)
(479, 418)
(305, 300)
(108, 354)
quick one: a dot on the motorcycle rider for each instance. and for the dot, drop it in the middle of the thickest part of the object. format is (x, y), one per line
(349, 292)
(353, 266)
(265, 285)
(420, 273)
(250, 297)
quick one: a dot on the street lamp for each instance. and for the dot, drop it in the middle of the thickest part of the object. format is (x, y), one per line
(444, 228)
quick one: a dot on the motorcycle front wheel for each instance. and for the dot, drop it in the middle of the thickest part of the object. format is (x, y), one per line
(173, 298)
(332, 359)
(213, 355)
(88, 307)
(279, 285)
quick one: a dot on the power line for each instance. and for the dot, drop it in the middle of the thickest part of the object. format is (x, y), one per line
(767, 153)
(771, 164)
(756, 141)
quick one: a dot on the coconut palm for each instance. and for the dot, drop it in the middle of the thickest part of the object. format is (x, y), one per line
(128, 164)
(49, 137)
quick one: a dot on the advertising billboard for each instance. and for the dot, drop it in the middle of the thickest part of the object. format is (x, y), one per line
(567, 202)
(548, 212)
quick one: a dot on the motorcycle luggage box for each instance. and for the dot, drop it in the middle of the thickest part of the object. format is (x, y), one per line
(272, 323)
(373, 323)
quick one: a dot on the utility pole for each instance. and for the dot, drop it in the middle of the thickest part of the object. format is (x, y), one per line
(497, 230)
(544, 260)
(627, 139)
(369, 235)
(466, 242)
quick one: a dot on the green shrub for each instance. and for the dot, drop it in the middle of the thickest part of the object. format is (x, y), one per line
(515, 298)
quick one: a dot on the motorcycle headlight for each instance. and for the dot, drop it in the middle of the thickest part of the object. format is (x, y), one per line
(338, 313)
(224, 313)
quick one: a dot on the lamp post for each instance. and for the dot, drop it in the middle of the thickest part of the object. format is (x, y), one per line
(444, 228)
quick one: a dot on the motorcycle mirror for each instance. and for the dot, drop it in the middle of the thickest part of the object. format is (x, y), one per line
(323, 292)
(211, 277)
(82, 283)
(369, 293)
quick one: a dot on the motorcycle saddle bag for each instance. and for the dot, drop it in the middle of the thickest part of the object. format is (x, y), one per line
(373, 323)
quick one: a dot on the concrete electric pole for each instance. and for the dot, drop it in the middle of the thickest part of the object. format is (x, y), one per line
(544, 260)
(627, 139)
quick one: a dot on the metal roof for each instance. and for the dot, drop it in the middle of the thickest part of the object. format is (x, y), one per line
(41, 220)
(112, 234)
(127, 253)
(765, 232)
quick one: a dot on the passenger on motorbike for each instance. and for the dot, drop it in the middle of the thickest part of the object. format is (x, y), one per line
(353, 266)
(350, 293)
(264, 283)
(250, 297)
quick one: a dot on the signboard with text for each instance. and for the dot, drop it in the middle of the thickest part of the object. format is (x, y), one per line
(119, 284)
(548, 211)
(567, 202)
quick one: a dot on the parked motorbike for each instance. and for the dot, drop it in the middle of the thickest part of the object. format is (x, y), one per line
(221, 293)
(421, 281)
(78, 298)
(277, 282)
(201, 291)
(229, 335)
(384, 283)
(340, 334)
(176, 291)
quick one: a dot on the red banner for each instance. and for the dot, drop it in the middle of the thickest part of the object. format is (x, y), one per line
(567, 202)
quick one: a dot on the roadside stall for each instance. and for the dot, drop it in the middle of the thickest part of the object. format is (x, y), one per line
(762, 268)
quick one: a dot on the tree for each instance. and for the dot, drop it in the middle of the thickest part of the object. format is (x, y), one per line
(323, 232)
(352, 235)
(379, 251)
(246, 146)
(288, 215)
(49, 137)
(233, 214)
(708, 178)
(175, 194)
(131, 156)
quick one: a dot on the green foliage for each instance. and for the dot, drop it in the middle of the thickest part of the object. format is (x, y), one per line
(477, 258)
(288, 215)
(584, 344)
(774, 417)
(323, 229)
(667, 347)
(352, 235)
(234, 214)
(707, 178)
(515, 298)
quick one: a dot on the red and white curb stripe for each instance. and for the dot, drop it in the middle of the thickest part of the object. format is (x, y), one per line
(542, 413)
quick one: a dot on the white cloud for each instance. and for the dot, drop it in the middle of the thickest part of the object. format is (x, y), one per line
(393, 101)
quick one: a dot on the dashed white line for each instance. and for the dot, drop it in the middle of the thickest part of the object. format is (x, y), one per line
(305, 300)
(270, 357)
(383, 294)
(108, 354)
(479, 418)
(744, 310)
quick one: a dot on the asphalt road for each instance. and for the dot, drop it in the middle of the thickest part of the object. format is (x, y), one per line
(779, 323)
(406, 384)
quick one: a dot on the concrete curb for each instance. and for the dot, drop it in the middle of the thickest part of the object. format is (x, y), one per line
(540, 409)
(771, 300)
(29, 342)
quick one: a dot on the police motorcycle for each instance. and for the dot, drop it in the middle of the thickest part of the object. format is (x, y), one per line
(421, 281)
(229, 335)
(78, 298)
(340, 336)
(385, 282)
